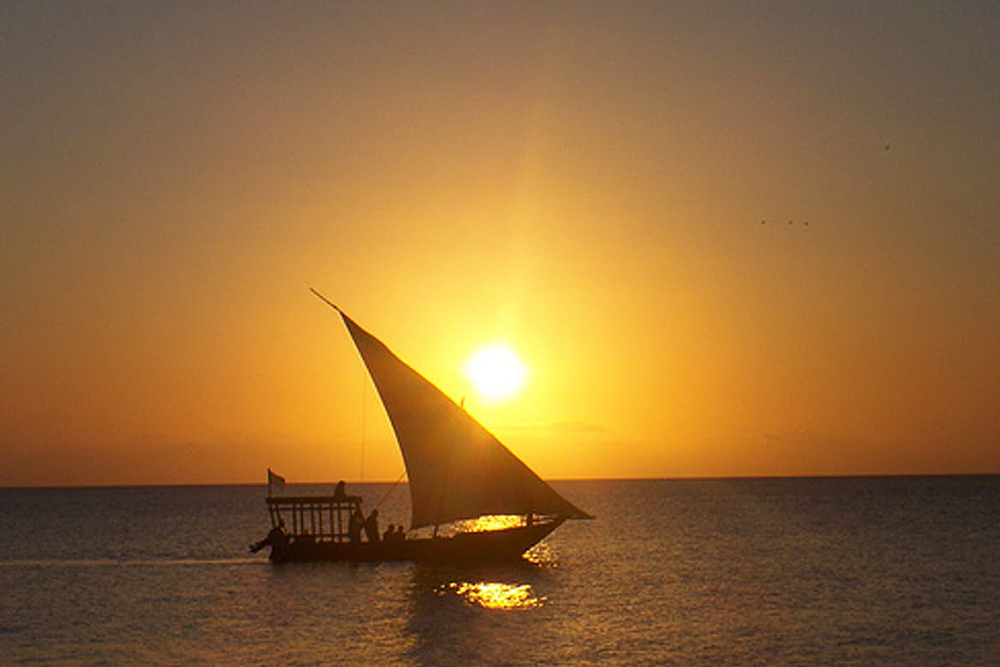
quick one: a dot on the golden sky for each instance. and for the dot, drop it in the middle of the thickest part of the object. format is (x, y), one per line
(619, 191)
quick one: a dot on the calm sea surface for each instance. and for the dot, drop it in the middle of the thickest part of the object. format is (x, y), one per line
(867, 571)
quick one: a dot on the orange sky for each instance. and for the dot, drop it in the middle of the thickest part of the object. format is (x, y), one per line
(586, 181)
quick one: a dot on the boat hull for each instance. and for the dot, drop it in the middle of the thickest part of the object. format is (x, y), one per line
(495, 545)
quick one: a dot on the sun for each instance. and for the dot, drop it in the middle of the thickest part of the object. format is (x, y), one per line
(496, 371)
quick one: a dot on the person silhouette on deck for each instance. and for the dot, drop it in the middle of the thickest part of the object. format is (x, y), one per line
(354, 525)
(276, 539)
(371, 526)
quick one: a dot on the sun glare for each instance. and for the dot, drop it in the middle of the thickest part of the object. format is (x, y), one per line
(496, 371)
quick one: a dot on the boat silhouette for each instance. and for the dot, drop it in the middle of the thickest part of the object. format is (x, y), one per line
(460, 477)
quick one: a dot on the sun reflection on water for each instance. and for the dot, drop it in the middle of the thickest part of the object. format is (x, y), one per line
(495, 595)
(542, 555)
(489, 522)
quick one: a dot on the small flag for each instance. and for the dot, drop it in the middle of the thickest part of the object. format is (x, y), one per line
(275, 482)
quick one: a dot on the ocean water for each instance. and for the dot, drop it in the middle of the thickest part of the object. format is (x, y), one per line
(858, 571)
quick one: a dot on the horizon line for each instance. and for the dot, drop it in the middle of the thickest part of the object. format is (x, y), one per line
(673, 478)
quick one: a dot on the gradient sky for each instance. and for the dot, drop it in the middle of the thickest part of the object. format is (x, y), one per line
(605, 186)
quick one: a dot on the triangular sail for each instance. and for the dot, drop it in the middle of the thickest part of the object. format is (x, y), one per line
(457, 469)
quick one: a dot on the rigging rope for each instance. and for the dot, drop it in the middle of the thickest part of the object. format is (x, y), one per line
(391, 489)
(364, 424)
